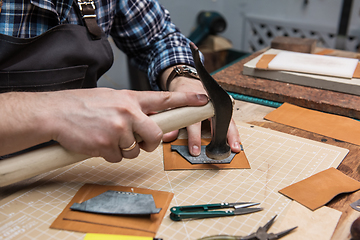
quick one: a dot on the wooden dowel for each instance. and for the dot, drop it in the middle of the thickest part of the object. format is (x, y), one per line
(49, 158)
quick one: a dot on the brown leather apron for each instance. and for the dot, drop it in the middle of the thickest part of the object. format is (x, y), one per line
(64, 57)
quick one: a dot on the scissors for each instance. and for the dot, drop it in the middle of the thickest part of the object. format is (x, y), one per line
(210, 210)
(260, 234)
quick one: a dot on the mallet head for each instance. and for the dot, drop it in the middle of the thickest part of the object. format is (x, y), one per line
(218, 148)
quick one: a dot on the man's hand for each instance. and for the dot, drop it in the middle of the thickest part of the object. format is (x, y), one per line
(184, 84)
(95, 122)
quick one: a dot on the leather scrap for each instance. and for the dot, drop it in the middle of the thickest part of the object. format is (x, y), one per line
(330, 125)
(264, 61)
(112, 224)
(357, 71)
(174, 161)
(317, 190)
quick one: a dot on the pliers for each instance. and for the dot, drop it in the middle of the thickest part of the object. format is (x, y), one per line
(207, 210)
(260, 234)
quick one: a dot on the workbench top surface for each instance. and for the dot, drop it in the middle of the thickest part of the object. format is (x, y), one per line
(253, 114)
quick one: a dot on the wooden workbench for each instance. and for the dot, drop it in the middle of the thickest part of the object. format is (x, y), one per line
(232, 79)
(250, 113)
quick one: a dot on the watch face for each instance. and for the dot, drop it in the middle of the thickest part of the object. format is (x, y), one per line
(190, 69)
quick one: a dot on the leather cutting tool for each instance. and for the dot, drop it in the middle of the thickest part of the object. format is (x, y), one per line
(260, 234)
(211, 210)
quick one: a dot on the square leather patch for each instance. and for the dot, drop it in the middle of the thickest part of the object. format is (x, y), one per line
(112, 224)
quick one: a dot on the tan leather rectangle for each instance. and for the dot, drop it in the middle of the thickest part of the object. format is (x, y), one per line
(112, 224)
(357, 71)
(264, 61)
(319, 189)
(330, 125)
(174, 161)
(325, 51)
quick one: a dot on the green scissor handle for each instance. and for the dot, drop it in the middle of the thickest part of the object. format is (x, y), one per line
(184, 215)
(204, 211)
(199, 211)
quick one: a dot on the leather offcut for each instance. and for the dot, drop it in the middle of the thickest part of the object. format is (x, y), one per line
(317, 190)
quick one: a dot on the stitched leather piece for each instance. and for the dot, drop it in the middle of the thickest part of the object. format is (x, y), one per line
(174, 161)
(112, 224)
(319, 189)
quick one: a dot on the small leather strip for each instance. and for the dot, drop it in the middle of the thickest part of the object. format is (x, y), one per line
(89, 17)
(325, 51)
(357, 71)
(264, 61)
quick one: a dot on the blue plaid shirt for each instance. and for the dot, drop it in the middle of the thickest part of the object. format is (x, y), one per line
(140, 28)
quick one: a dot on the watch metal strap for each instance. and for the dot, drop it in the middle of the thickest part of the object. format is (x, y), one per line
(183, 70)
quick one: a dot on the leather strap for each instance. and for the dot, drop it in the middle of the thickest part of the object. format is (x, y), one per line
(183, 70)
(87, 9)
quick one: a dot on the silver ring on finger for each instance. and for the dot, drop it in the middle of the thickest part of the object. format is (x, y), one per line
(131, 147)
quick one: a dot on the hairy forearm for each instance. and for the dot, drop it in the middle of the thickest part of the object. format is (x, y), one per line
(23, 123)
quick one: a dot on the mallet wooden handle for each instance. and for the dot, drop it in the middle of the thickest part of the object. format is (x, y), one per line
(42, 160)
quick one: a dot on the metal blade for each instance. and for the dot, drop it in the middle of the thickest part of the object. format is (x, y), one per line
(241, 211)
(283, 233)
(242, 204)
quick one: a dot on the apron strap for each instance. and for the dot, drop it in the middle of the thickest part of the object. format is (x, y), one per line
(87, 9)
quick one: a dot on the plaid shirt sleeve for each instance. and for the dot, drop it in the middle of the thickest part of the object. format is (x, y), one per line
(144, 31)
(140, 28)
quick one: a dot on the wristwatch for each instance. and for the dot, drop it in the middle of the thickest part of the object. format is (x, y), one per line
(183, 70)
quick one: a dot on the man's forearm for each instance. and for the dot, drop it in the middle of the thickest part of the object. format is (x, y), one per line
(23, 122)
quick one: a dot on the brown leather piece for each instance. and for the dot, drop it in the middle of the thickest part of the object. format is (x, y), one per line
(319, 189)
(325, 51)
(330, 125)
(112, 224)
(174, 161)
(357, 71)
(90, 22)
(264, 61)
